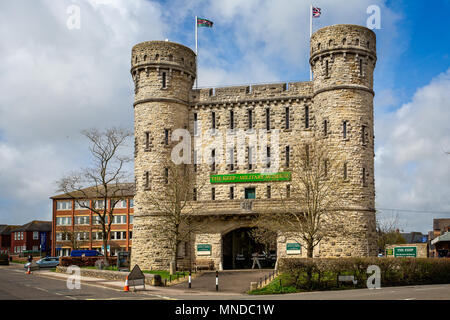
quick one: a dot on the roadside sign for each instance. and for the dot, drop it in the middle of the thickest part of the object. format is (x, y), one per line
(204, 249)
(136, 277)
(405, 252)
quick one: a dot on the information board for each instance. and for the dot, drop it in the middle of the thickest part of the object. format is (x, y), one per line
(204, 249)
(405, 252)
(293, 248)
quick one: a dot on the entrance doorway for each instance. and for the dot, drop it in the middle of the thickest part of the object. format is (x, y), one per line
(239, 249)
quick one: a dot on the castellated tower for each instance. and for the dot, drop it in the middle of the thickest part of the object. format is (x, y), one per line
(163, 73)
(343, 59)
(336, 107)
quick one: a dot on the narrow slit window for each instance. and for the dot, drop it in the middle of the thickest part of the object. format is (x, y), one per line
(195, 123)
(147, 140)
(213, 193)
(231, 119)
(326, 68)
(231, 158)
(363, 134)
(195, 160)
(250, 158)
(364, 176)
(267, 119)
(306, 117)
(231, 193)
(194, 194)
(166, 175)
(147, 180)
(288, 191)
(287, 118)
(325, 127)
(164, 80)
(360, 67)
(213, 120)
(250, 119)
(287, 156)
(166, 137)
(213, 160)
(268, 157)
(269, 192)
(344, 129)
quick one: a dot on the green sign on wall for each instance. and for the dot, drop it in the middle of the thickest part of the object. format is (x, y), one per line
(293, 248)
(250, 177)
(204, 249)
(405, 252)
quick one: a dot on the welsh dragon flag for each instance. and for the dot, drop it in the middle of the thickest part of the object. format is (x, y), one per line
(204, 23)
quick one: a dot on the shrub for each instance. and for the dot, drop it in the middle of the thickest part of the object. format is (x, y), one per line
(323, 273)
(84, 261)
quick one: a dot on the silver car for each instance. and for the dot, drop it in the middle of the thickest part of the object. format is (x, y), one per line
(47, 262)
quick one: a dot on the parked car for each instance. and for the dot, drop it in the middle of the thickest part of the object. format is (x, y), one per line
(86, 253)
(47, 262)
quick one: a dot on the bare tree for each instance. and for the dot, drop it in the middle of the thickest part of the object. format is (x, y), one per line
(311, 204)
(104, 180)
(70, 235)
(172, 201)
(388, 232)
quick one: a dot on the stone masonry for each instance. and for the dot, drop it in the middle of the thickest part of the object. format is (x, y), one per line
(342, 58)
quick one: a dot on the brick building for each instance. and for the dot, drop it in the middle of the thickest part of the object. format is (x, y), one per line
(441, 227)
(5, 237)
(336, 107)
(77, 227)
(34, 237)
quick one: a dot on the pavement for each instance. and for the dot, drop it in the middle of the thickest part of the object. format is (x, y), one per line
(48, 285)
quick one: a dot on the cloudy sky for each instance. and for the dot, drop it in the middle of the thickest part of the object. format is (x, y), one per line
(56, 80)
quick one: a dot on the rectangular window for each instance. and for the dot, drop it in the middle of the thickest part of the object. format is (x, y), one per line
(213, 160)
(267, 119)
(164, 80)
(64, 205)
(269, 192)
(213, 120)
(250, 157)
(250, 119)
(325, 127)
(121, 204)
(147, 140)
(81, 205)
(195, 124)
(344, 129)
(326, 68)
(231, 119)
(213, 193)
(250, 193)
(231, 158)
(231, 192)
(130, 235)
(194, 194)
(287, 156)
(131, 203)
(130, 219)
(99, 204)
(363, 134)
(82, 220)
(306, 117)
(35, 235)
(166, 137)
(166, 175)
(147, 180)
(287, 118)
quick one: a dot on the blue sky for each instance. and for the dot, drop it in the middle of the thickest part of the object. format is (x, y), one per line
(55, 82)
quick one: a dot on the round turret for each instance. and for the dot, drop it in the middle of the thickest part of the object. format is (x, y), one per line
(163, 73)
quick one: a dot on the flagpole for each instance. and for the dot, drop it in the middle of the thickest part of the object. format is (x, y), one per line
(310, 35)
(196, 53)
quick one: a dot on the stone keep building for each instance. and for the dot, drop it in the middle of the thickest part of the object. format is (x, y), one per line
(337, 104)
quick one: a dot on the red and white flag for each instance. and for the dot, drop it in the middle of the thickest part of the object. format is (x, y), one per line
(316, 12)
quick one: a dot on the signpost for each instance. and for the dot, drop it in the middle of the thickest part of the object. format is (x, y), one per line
(204, 249)
(293, 248)
(405, 252)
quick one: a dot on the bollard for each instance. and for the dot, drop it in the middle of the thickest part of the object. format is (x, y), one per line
(165, 282)
(217, 280)
(190, 279)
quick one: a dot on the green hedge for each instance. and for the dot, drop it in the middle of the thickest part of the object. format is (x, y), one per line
(84, 261)
(323, 274)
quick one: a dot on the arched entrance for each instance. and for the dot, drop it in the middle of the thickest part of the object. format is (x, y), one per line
(238, 246)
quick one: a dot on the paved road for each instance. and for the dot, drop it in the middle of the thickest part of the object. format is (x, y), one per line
(15, 284)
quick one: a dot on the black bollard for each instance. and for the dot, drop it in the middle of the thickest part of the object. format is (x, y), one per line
(189, 279)
(217, 280)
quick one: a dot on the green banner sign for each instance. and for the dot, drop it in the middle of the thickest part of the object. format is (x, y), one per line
(293, 248)
(250, 177)
(203, 247)
(405, 252)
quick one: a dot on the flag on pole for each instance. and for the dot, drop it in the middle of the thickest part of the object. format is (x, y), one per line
(204, 23)
(316, 12)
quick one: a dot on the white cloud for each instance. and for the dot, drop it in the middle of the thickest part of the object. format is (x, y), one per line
(412, 168)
